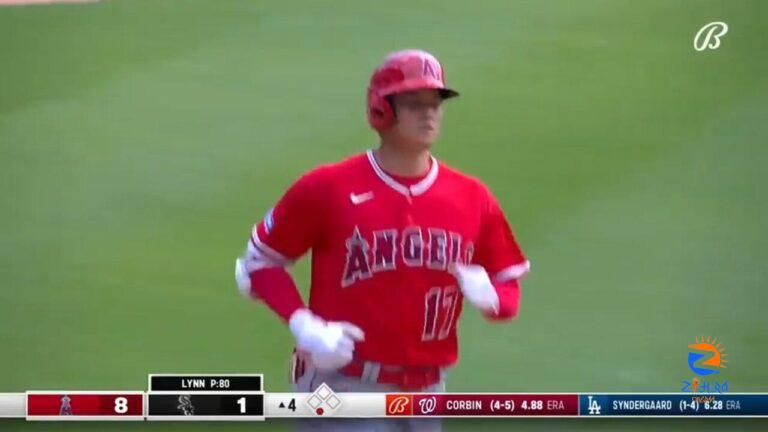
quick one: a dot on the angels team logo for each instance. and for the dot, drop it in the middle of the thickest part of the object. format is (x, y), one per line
(66, 407)
(431, 68)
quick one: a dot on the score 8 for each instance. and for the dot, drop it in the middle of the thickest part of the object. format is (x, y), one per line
(121, 405)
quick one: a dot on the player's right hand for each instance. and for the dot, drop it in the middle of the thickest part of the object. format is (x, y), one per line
(330, 344)
(476, 286)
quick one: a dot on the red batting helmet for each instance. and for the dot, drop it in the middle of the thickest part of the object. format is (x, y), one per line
(403, 71)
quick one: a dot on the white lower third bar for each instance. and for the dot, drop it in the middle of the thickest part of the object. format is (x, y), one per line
(13, 405)
(324, 403)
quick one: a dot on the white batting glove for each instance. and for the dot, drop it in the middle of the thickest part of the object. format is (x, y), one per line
(476, 286)
(330, 344)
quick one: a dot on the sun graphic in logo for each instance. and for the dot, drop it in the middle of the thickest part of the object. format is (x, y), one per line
(710, 348)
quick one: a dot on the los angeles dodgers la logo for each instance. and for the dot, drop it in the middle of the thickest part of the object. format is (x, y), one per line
(594, 407)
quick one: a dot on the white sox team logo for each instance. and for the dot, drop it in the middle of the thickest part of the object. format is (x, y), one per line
(709, 36)
(440, 249)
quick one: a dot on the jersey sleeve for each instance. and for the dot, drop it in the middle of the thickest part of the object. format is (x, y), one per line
(290, 228)
(497, 249)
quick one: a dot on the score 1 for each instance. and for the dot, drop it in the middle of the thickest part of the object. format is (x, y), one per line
(205, 405)
(205, 397)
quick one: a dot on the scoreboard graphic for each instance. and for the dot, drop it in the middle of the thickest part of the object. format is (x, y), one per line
(241, 397)
(205, 397)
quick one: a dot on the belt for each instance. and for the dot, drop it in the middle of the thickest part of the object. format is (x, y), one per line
(405, 377)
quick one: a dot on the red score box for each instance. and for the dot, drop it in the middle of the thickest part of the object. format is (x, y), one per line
(85, 405)
(493, 405)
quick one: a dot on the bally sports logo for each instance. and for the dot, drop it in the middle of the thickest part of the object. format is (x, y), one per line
(399, 405)
(708, 37)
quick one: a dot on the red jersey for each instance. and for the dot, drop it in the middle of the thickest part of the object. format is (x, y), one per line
(381, 251)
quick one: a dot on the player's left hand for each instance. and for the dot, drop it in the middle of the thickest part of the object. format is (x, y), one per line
(476, 286)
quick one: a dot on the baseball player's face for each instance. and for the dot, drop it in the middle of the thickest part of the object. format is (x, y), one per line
(419, 114)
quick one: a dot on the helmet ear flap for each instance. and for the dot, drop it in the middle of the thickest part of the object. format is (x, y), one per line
(380, 112)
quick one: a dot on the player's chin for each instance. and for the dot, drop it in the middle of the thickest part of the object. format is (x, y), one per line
(426, 137)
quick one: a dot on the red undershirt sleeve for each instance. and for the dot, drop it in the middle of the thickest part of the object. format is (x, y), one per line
(287, 232)
(498, 252)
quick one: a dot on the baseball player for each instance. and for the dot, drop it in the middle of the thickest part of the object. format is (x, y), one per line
(398, 240)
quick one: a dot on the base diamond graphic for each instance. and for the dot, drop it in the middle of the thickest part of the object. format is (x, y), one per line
(324, 401)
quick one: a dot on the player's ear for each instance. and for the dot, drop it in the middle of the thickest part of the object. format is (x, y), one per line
(391, 101)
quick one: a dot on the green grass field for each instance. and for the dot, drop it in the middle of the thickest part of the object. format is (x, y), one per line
(139, 140)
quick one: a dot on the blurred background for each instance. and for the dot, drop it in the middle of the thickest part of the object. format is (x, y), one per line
(140, 140)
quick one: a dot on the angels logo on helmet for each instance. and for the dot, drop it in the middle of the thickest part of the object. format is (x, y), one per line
(403, 71)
